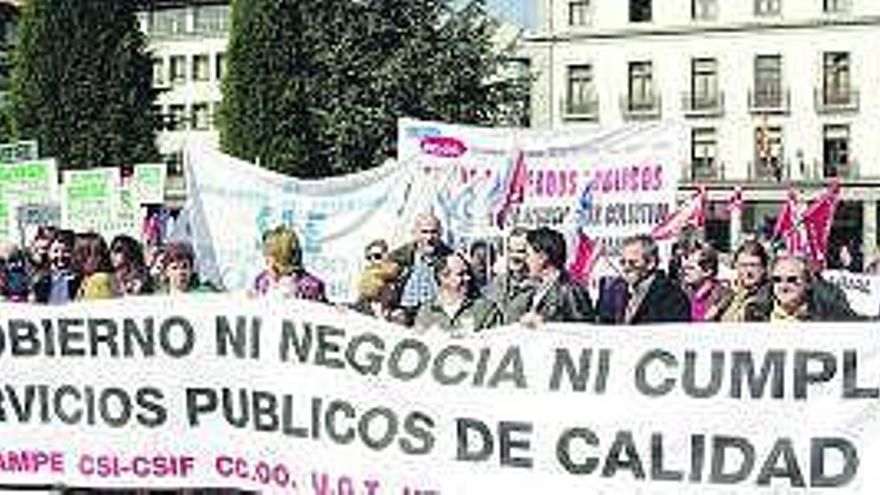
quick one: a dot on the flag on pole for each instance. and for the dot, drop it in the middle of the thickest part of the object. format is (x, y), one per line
(692, 213)
(789, 226)
(515, 189)
(735, 203)
(817, 220)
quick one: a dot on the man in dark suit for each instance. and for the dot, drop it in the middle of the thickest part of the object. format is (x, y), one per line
(555, 296)
(644, 294)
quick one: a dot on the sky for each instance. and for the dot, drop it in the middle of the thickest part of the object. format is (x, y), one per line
(519, 12)
(516, 11)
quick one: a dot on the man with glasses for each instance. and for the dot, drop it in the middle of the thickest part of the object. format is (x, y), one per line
(511, 290)
(417, 260)
(644, 294)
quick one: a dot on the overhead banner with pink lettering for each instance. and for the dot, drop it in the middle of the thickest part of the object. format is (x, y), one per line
(294, 397)
(613, 182)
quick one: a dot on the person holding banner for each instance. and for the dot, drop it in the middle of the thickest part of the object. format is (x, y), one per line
(512, 290)
(60, 283)
(285, 276)
(751, 289)
(556, 297)
(129, 266)
(700, 270)
(644, 294)
(417, 261)
(378, 292)
(178, 271)
(457, 309)
(91, 259)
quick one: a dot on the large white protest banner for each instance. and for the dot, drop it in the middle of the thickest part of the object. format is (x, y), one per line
(613, 182)
(862, 290)
(295, 397)
(232, 202)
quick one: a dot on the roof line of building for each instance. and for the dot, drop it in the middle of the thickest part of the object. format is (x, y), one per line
(747, 27)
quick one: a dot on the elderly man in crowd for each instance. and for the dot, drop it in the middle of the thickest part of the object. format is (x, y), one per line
(644, 294)
(417, 261)
(512, 290)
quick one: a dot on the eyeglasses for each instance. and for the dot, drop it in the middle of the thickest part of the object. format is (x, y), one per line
(792, 279)
(375, 256)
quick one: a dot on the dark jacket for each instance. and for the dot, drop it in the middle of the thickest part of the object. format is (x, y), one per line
(565, 300)
(665, 301)
(825, 302)
(512, 297)
(43, 287)
(756, 305)
(474, 315)
(405, 257)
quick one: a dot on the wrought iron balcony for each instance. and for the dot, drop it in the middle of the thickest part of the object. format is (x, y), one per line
(770, 100)
(702, 105)
(642, 107)
(836, 100)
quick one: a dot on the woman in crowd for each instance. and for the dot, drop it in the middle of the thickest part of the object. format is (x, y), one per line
(285, 276)
(700, 272)
(60, 283)
(91, 259)
(457, 309)
(178, 271)
(14, 274)
(378, 292)
(129, 266)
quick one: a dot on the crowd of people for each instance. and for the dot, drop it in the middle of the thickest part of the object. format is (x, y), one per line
(427, 285)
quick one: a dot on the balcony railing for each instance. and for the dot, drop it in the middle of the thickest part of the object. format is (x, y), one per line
(836, 100)
(847, 171)
(702, 105)
(697, 172)
(769, 170)
(770, 100)
(586, 109)
(648, 107)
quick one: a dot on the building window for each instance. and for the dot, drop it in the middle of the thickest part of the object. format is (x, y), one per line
(704, 10)
(201, 116)
(211, 19)
(158, 72)
(704, 83)
(835, 151)
(768, 81)
(836, 6)
(176, 118)
(768, 7)
(704, 150)
(221, 66)
(641, 87)
(639, 10)
(579, 13)
(769, 153)
(836, 78)
(581, 90)
(177, 64)
(168, 22)
(201, 68)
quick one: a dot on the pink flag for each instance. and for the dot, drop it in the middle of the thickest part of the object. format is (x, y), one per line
(692, 213)
(515, 192)
(735, 203)
(789, 226)
(586, 253)
(818, 219)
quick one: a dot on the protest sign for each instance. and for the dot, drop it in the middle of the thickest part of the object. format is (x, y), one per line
(29, 217)
(862, 290)
(148, 183)
(90, 200)
(30, 182)
(19, 151)
(232, 202)
(294, 397)
(613, 183)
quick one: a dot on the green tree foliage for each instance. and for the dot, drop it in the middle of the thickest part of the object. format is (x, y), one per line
(82, 83)
(315, 87)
